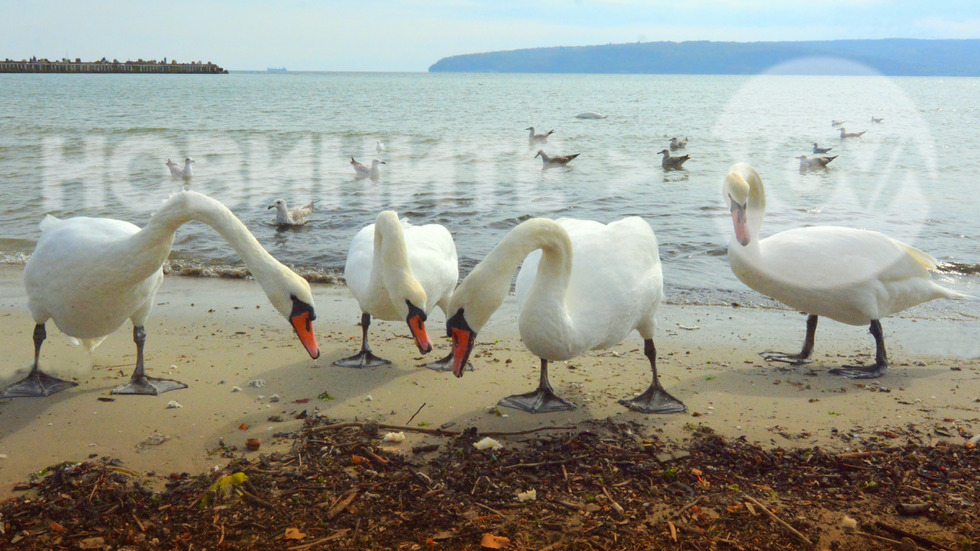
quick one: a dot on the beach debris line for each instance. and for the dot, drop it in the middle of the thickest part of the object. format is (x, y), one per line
(599, 483)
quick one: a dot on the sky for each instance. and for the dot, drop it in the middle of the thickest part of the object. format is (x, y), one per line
(411, 35)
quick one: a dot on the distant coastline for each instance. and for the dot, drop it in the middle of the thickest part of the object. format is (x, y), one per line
(891, 57)
(35, 65)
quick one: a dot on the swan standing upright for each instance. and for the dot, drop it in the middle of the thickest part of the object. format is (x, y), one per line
(849, 275)
(90, 275)
(583, 286)
(398, 271)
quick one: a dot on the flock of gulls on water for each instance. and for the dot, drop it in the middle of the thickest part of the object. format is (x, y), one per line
(810, 164)
(89, 275)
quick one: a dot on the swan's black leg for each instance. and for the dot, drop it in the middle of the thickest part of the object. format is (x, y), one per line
(364, 358)
(139, 383)
(804, 356)
(654, 399)
(541, 400)
(868, 371)
(37, 383)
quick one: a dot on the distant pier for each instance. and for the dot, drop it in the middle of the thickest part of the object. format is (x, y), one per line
(35, 65)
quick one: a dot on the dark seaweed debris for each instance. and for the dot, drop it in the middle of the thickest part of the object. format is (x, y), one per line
(602, 486)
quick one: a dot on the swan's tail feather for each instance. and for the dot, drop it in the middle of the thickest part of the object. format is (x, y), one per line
(89, 344)
(924, 259)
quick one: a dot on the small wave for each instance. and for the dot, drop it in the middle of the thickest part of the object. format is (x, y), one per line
(959, 268)
(193, 268)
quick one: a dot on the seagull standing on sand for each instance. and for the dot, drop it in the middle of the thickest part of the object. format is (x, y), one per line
(676, 144)
(362, 171)
(820, 150)
(845, 134)
(533, 138)
(669, 162)
(559, 160)
(296, 216)
(853, 276)
(808, 165)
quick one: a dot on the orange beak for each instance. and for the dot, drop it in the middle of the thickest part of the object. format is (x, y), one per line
(462, 346)
(417, 327)
(304, 330)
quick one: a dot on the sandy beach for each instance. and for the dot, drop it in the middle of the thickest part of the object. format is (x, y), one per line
(216, 335)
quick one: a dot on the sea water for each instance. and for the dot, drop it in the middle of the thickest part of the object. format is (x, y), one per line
(457, 154)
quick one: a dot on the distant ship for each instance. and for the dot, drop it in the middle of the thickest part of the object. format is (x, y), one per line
(275, 70)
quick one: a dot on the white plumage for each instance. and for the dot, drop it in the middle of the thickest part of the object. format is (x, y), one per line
(849, 275)
(397, 271)
(90, 275)
(362, 171)
(583, 286)
(176, 172)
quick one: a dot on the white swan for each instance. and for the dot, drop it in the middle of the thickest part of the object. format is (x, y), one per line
(362, 171)
(398, 271)
(186, 172)
(90, 275)
(852, 276)
(296, 216)
(589, 287)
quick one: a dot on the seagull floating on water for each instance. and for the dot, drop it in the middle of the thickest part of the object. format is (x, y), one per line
(363, 171)
(533, 138)
(185, 172)
(845, 134)
(836, 123)
(820, 150)
(676, 144)
(296, 216)
(558, 160)
(876, 119)
(379, 147)
(591, 115)
(669, 162)
(808, 165)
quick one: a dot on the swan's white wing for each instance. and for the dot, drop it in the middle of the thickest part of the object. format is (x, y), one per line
(432, 256)
(616, 283)
(357, 270)
(69, 278)
(849, 275)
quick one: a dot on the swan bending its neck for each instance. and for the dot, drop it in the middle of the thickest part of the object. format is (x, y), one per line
(90, 274)
(567, 306)
(391, 292)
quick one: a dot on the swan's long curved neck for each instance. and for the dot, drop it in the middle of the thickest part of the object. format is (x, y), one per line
(490, 280)
(150, 246)
(390, 266)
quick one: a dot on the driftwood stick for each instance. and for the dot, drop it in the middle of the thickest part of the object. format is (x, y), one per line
(780, 521)
(914, 537)
(436, 432)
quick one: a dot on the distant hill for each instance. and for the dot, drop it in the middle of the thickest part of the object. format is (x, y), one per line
(893, 57)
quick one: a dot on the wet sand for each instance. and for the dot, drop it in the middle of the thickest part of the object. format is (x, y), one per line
(216, 335)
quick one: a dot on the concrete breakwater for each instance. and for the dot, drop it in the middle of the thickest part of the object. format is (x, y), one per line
(35, 65)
